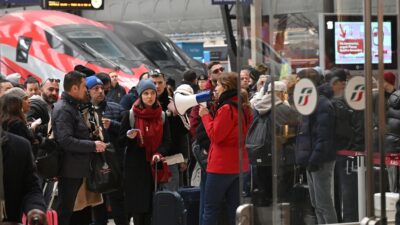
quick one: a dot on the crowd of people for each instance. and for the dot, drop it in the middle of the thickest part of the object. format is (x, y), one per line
(145, 128)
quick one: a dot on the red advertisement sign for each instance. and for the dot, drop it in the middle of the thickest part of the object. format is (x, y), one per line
(350, 46)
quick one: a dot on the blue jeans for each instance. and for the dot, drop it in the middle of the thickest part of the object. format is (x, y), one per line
(347, 180)
(320, 183)
(220, 187)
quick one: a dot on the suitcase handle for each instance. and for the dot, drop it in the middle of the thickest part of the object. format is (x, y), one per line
(155, 175)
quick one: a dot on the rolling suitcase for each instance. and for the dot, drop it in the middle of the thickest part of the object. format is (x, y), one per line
(168, 207)
(51, 215)
(191, 198)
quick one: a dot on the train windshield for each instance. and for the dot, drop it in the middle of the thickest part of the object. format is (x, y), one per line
(102, 47)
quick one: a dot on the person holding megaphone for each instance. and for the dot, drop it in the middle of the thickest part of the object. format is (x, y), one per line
(223, 166)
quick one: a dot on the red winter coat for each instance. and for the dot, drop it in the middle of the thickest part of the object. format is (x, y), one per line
(223, 132)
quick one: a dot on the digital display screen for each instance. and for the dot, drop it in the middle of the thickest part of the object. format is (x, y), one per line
(344, 42)
(349, 42)
(73, 4)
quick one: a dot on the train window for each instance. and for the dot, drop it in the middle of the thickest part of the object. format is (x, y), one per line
(160, 54)
(24, 44)
(95, 43)
(60, 46)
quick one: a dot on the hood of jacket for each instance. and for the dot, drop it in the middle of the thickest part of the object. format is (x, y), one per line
(264, 104)
(325, 90)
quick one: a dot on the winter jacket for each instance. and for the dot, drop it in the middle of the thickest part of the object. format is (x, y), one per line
(39, 109)
(343, 127)
(116, 93)
(21, 183)
(112, 111)
(314, 143)
(138, 183)
(285, 115)
(73, 135)
(222, 129)
(19, 127)
(392, 137)
(128, 99)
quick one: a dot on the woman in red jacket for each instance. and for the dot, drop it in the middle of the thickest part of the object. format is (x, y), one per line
(223, 161)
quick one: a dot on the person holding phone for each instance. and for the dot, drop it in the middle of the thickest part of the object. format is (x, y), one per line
(146, 143)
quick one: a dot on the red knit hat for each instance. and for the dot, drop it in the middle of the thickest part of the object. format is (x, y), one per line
(390, 78)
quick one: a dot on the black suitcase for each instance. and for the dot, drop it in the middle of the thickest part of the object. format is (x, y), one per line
(168, 207)
(191, 198)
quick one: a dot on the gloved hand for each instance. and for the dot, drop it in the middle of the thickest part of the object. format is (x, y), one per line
(313, 167)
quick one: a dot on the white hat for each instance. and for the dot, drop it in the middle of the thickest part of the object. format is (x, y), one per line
(14, 77)
(184, 89)
(279, 86)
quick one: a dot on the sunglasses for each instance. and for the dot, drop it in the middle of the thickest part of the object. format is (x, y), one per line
(51, 80)
(221, 69)
(155, 73)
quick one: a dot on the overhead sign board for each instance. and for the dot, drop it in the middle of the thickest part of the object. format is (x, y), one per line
(354, 93)
(73, 4)
(230, 2)
(305, 96)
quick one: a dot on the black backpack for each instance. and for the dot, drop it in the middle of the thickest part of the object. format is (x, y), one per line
(258, 141)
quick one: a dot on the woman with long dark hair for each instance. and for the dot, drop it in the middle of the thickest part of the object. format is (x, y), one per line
(223, 160)
(147, 143)
(12, 117)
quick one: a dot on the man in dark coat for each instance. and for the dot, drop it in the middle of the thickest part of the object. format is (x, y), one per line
(315, 151)
(74, 137)
(110, 115)
(116, 91)
(21, 191)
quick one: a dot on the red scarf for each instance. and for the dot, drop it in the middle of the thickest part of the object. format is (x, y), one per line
(150, 123)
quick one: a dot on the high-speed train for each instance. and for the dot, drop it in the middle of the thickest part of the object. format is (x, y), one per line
(48, 44)
(157, 48)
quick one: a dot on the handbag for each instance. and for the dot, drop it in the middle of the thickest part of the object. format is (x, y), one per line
(161, 173)
(105, 175)
(48, 160)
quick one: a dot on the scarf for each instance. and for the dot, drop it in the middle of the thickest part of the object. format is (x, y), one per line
(149, 122)
(226, 96)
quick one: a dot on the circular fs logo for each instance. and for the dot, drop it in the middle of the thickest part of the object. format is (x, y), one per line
(305, 96)
(354, 93)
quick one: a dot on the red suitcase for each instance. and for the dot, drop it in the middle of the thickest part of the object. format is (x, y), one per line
(52, 218)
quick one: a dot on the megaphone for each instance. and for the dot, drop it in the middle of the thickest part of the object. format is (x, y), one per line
(184, 102)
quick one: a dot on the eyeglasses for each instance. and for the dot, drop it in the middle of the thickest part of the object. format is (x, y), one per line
(219, 70)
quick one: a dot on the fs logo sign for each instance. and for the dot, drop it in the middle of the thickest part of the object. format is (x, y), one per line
(305, 96)
(354, 93)
(358, 93)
